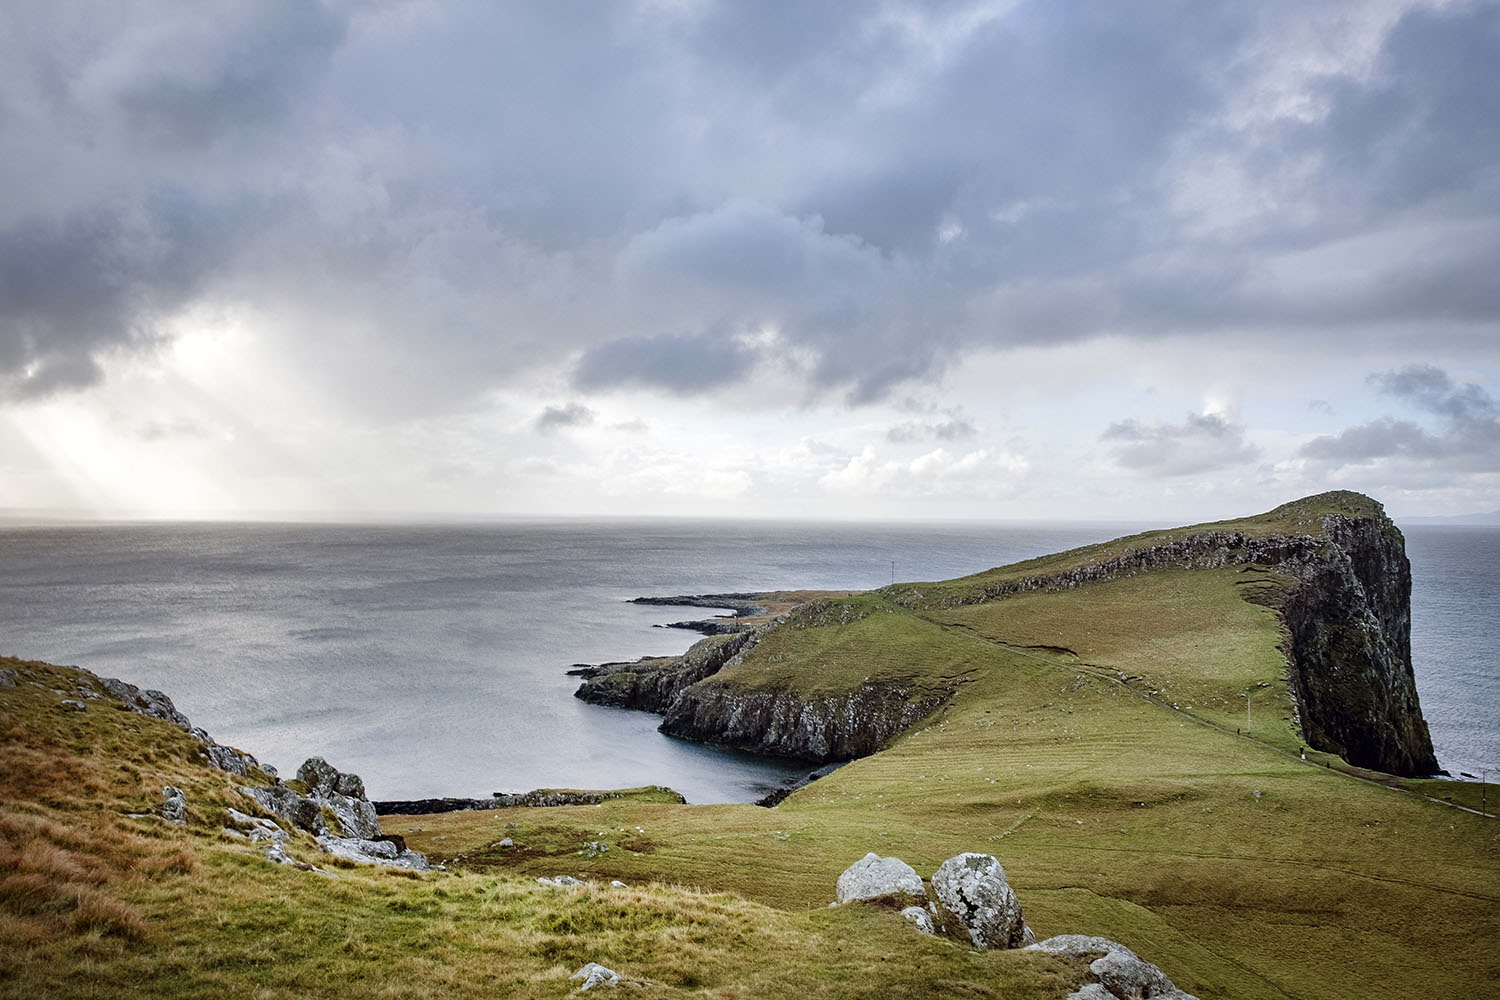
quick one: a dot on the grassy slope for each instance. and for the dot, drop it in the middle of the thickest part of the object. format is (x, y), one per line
(94, 903)
(1113, 812)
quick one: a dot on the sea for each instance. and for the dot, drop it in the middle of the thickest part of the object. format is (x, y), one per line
(432, 659)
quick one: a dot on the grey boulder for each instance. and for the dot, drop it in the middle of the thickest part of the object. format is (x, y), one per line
(595, 974)
(1121, 972)
(174, 806)
(873, 876)
(374, 852)
(972, 892)
(919, 918)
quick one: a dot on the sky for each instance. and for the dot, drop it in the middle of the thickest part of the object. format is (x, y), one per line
(1058, 260)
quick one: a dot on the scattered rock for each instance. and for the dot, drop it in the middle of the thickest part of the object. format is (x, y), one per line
(618, 884)
(506, 842)
(174, 809)
(73, 706)
(919, 918)
(374, 852)
(973, 892)
(594, 849)
(595, 974)
(7, 678)
(1122, 973)
(561, 881)
(873, 876)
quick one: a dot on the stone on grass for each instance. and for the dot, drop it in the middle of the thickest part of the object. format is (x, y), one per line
(7, 678)
(561, 882)
(972, 891)
(873, 876)
(74, 706)
(374, 852)
(174, 808)
(919, 918)
(1121, 972)
(595, 974)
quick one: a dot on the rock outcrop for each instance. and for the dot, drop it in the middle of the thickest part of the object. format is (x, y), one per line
(872, 877)
(973, 893)
(653, 685)
(1122, 974)
(327, 788)
(157, 705)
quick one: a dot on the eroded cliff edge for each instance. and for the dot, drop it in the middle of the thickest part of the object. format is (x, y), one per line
(1342, 588)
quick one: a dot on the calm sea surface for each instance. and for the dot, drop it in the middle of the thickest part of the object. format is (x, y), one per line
(431, 659)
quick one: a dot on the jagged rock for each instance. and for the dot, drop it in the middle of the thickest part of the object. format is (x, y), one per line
(1122, 973)
(174, 808)
(595, 974)
(873, 876)
(972, 891)
(151, 703)
(320, 776)
(260, 828)
(73, 706)
(304, 813)
(920, 919)
(228, 759)
(7, 678)
(376, 852)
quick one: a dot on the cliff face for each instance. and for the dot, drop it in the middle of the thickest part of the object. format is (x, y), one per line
(1349, 649)
(827, 728)
(654, 686)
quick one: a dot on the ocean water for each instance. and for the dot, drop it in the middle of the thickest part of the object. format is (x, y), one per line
(431, 659)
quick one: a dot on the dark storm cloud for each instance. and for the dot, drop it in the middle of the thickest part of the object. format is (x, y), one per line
(1469, 440)
(678, 363)
(568, 415)
(1201, 443)
(484, 190)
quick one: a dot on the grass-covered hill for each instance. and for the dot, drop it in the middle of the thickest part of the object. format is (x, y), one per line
(1091, 733)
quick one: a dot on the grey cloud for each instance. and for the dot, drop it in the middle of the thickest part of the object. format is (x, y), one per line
(484, 190)
(952, 429)
(1470, 440)
(1201, 443)
(569, 415)
(684, 364)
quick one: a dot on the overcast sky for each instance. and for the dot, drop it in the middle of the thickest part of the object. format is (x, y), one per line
(1109, 260)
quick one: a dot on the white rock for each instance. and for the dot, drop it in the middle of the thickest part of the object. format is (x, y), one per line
(595, 974)
(1121, 972)
(873, 876)
(174, 808)
(561, 881)
(919, 918)
(972, 890)
(618, 884)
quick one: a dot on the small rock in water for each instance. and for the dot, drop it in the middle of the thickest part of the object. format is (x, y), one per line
(873, 876)
(595, 974)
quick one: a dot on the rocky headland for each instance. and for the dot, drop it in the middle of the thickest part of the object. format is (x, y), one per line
(1338, 577)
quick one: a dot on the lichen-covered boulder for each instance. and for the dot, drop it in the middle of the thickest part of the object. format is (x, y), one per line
(873, 876)
(342, 793)
(1121, 972)
(972, 892)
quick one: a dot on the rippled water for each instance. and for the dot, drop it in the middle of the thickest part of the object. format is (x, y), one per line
(431, 659)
